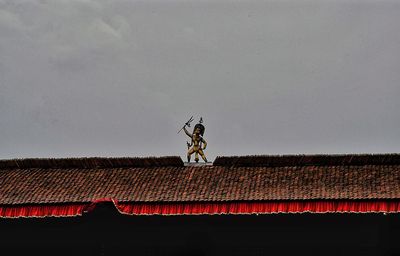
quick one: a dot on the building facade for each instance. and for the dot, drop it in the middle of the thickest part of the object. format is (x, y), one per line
(250, 205)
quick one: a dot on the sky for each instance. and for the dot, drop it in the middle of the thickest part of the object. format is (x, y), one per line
(82, 78)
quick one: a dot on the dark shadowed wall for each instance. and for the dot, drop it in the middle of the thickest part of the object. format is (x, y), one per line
(106, 232)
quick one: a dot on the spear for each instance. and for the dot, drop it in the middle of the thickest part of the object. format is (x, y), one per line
(187, 123)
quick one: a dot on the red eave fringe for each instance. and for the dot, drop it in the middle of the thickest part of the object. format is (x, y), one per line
(204, 208)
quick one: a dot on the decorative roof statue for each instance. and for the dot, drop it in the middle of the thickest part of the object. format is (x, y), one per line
(198, 143)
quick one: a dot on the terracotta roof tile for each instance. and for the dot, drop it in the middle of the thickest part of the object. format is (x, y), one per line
(196, 184)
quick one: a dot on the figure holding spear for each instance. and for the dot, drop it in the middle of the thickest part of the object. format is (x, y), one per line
(198, 143)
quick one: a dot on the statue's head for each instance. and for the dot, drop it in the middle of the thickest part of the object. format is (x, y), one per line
(199, 129)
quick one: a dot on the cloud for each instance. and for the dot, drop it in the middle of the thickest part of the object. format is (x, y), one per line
(64, 30)
(10, 21)
(91, 77)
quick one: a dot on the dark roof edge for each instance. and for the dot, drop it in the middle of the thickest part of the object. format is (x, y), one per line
(304, 160)
(92, 162)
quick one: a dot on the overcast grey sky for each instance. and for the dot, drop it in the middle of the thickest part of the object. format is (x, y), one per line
(119, 78)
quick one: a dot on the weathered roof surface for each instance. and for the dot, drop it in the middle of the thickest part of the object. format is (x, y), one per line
(64, 183)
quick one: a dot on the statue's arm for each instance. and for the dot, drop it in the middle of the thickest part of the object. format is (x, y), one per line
(204, 143)
(187, 133)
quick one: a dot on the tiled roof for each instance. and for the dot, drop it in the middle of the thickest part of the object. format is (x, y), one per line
(66, 183)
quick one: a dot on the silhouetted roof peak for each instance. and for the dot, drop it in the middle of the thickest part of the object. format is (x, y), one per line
(307, 160)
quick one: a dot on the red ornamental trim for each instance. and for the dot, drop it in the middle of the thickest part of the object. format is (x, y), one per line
(203, 208)
(260, 207)
(39, 211)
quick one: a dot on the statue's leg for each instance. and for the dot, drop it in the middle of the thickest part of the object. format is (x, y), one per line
(202, 155)
(189, 153)
(196, 156)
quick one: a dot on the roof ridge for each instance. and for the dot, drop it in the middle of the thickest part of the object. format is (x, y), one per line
(91, 162)
(229, 161)
(304, 160)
